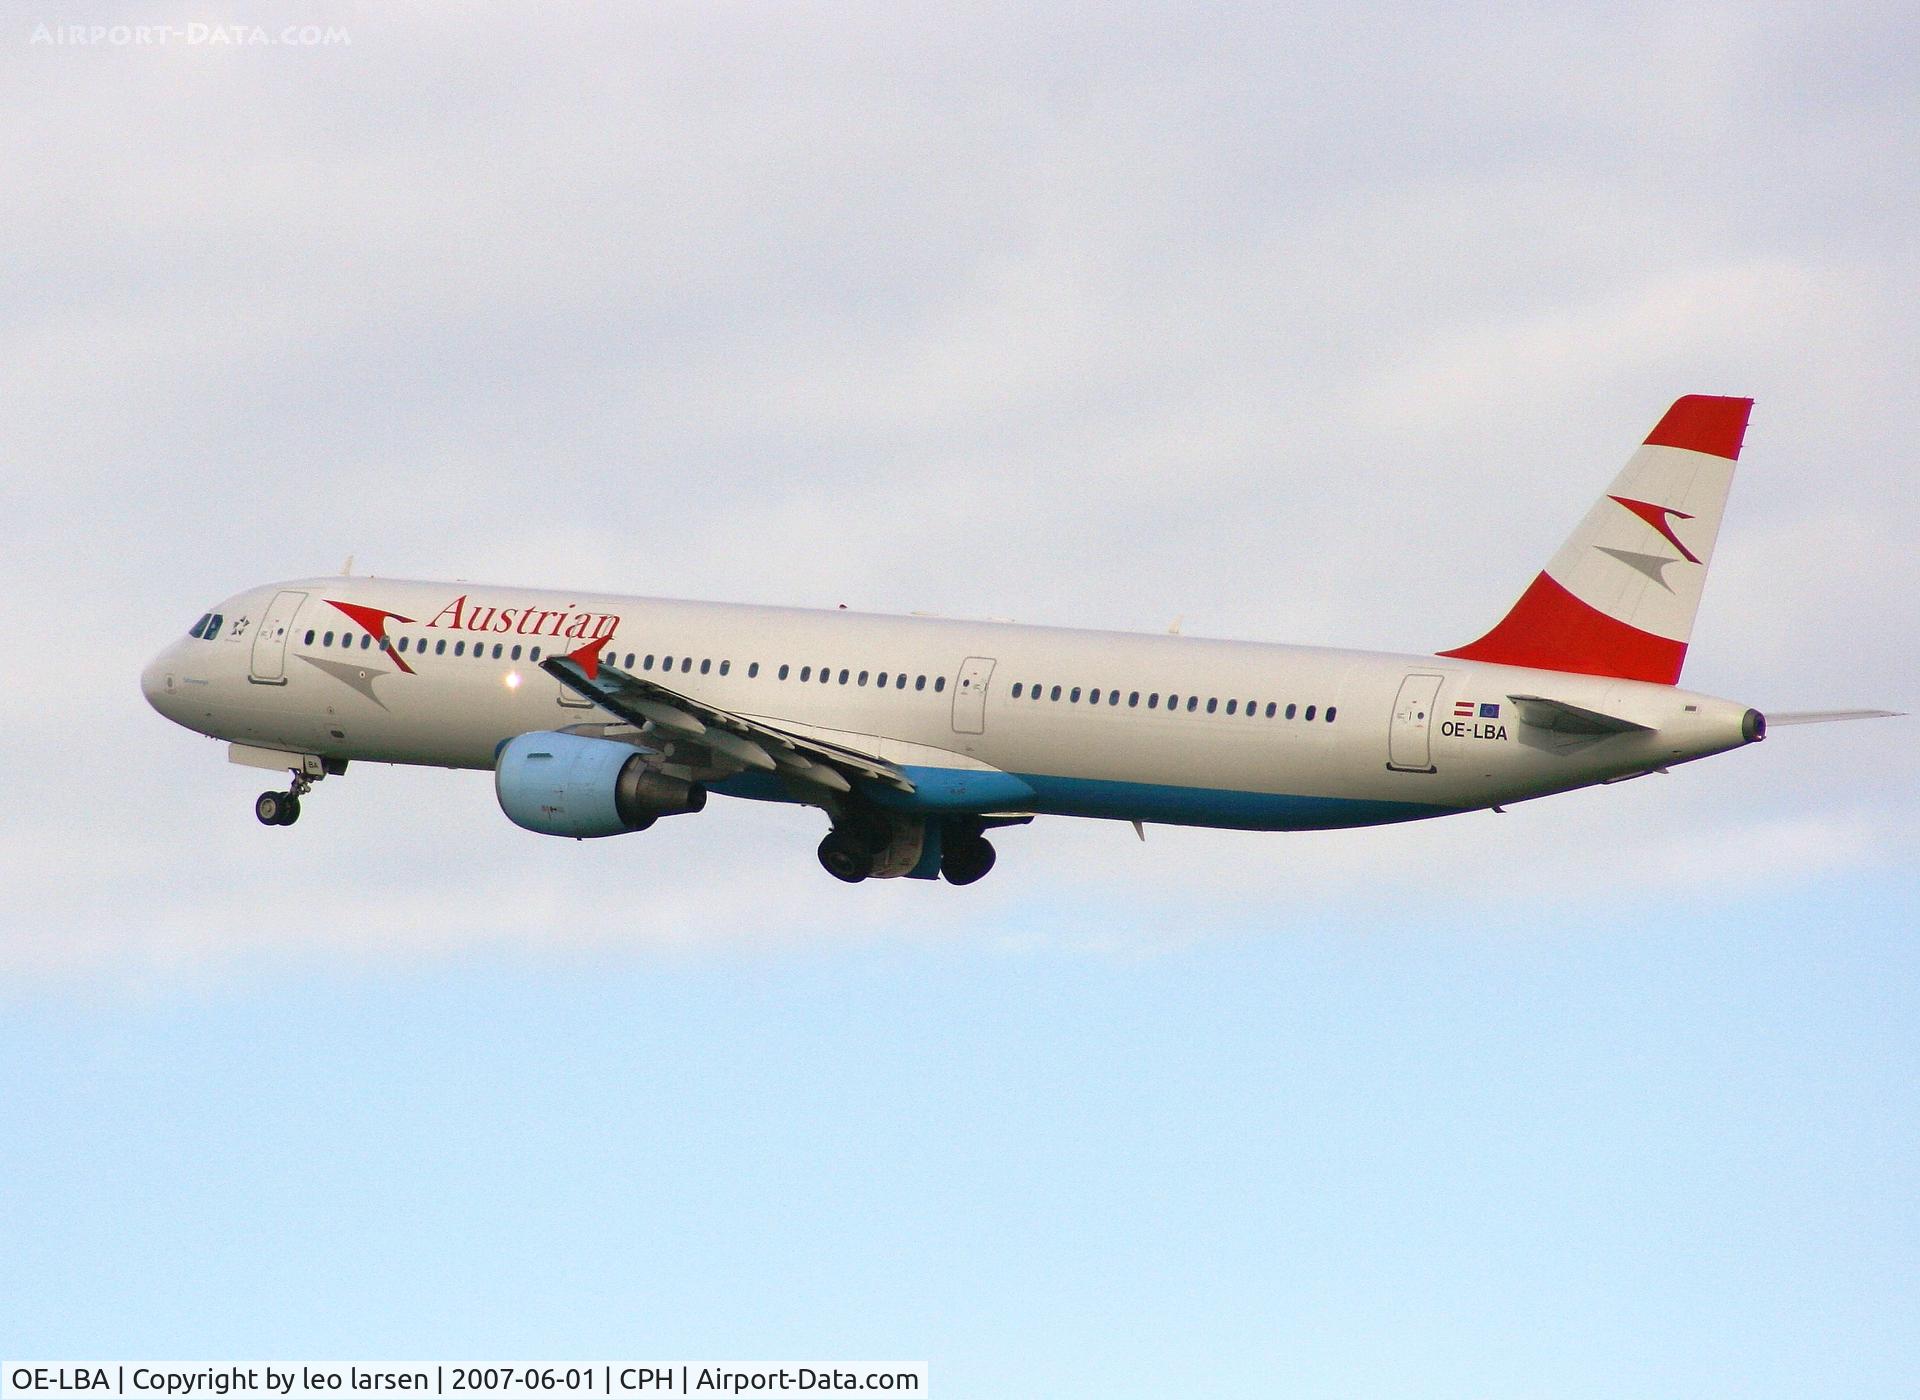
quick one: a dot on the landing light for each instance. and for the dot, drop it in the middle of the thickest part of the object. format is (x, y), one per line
(513, 680)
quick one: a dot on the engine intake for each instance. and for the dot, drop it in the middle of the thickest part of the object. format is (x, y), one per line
(570, 785)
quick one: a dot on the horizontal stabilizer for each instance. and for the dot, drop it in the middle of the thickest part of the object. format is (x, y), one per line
(1563, 718)
(1828, 716)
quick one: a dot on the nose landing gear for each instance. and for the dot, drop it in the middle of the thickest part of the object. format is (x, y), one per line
(282, 808)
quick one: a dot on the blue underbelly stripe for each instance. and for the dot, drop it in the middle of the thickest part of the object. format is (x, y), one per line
(955, 790)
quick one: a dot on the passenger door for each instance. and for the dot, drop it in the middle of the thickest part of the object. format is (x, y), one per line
(269, 661)
(1410, 737)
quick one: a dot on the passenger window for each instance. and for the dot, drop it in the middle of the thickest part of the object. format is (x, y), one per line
(1212, 705)
(939, 683)
(1033, 692)
(1153, 700)
(1113, 697)
(327, 640)
(1073, 696)
(1310, 712)
(919, 682)
(1016, 690)
(646, 663)
(1133, 700)
(900, 681)
(1192, 701)
(496, 651)
(863, 678)
(1056, 692)
(1290, 710)
(783, 671)
(686, 664)
(1231, 706)
(1270, 709)
(706, 666)
(516, 651)
(459, 648)
(309, 636)
(843, 675)
(534, 655)
(1331, 712)
(1173, 702)
(753, 669)
(403, 644)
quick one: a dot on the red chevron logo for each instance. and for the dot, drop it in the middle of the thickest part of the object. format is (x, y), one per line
(1661, 518)
(373, 621)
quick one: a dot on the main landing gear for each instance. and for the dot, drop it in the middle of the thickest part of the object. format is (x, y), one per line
(282, 808)
(859, 850)
(965, 857)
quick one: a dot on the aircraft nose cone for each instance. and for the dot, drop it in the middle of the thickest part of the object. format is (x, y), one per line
(156, 681)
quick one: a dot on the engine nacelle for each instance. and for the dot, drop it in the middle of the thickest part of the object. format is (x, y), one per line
(570, 785)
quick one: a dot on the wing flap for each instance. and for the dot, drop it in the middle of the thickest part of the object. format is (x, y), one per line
(733, 741)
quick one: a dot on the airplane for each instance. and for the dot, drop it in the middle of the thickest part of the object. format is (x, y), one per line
(598, 715)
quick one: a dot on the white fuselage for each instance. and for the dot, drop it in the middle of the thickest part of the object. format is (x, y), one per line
(1144, 727)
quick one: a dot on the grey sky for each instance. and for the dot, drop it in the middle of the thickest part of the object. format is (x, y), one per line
(1320, 327)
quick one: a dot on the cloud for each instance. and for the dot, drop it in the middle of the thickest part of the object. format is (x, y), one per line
(1320, 327)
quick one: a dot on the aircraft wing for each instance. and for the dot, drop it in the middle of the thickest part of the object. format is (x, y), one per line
(705, 737)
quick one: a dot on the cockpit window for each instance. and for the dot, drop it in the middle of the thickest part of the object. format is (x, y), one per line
(213, 627)
(201, 625)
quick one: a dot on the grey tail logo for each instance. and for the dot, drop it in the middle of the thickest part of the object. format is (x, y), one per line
(357, 677)
(1652, 565)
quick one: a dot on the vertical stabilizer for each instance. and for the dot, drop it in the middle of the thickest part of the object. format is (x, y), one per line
(1620, 597)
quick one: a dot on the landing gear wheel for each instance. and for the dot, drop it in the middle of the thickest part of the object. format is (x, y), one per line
(966, 859)
(289, 808)
(845, 858)
(271, 808)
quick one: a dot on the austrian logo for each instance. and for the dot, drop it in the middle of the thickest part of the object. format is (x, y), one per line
(1661, 519)
(593, 629)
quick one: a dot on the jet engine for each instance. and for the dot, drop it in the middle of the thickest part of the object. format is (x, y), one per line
(570, 785)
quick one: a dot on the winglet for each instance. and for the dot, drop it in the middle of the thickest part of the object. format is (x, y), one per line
(588, 657)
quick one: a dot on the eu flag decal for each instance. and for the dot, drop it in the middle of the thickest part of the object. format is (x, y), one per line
(1489, 711)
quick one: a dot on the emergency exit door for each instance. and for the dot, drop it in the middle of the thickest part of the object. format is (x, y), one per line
(970, 695)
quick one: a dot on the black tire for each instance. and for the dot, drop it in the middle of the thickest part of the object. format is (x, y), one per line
(966, 860)
(289, 809)
(268, 807)
(844, 858)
